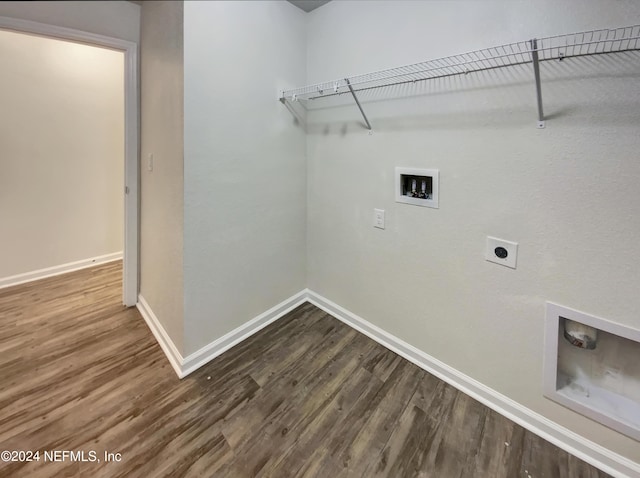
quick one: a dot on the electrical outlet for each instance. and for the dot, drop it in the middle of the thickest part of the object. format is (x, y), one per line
(501, 252)
(378, 218)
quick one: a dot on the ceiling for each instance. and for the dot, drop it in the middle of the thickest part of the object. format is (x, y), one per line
(308, 5)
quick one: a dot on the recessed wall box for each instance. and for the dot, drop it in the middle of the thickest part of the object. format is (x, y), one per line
(600, 381)
(417, 186)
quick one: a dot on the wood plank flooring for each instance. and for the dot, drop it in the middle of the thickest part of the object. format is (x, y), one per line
(305, 397)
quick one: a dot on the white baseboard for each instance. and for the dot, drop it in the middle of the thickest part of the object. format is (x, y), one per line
(57, 270)
(207, 353)
(592, 453)
(158, 331)
(190, 363)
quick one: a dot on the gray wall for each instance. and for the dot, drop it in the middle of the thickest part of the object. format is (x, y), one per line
(162, 190)
(245, 171)
(568, 194)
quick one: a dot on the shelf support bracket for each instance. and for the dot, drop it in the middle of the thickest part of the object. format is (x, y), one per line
(353, 93)
(536, 72)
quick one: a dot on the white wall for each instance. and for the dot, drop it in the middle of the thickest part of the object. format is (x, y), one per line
(568, 194)
(162, 191)
(62, 152)
(117, 19)
(244, 170)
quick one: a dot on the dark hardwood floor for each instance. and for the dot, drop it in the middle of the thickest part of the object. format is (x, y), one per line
(306, 396)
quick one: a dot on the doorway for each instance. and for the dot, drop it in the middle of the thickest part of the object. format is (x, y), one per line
(126, 52)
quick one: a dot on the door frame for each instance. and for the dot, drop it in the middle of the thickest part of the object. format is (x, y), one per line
(131, 128)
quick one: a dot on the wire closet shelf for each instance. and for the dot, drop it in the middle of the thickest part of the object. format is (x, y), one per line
(559, 47)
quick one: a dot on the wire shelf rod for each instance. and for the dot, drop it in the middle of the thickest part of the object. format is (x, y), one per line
(462, 60)
(593, 42)
(405, 82)
(413, 80)
(536, 51)
(485, 63)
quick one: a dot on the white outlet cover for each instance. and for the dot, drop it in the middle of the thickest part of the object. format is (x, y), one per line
(512, 252)
(378, 218)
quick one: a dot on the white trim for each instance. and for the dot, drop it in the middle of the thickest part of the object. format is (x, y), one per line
(131, 173)
(207, 353)
(592, 453)
(161, 335)
(57, 270)
(185, 366)
(130, 50)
